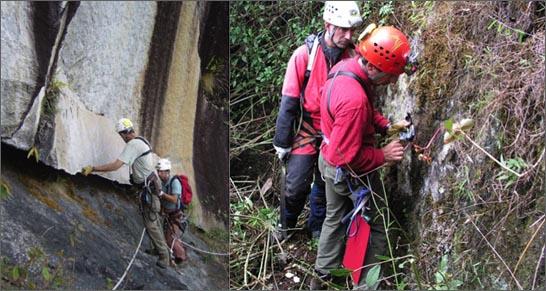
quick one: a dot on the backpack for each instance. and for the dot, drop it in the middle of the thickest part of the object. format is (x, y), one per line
(187, 193)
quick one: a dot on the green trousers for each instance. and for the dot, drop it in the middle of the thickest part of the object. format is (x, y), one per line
(331, 246)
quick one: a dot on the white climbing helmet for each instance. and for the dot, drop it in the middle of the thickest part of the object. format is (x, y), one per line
(124, 124)
(342, 13)
(163, 165)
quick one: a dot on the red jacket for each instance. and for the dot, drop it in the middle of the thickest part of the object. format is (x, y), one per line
(349, 136)
(293, 82)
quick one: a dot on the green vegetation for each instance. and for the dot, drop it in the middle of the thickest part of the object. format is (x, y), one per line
(36, 272)
(34, 152)
(211, 79)
(49, 104)
(263, 36)
(5, 191)
(466, 221)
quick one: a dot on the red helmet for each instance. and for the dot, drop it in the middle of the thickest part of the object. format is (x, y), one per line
(385, 47)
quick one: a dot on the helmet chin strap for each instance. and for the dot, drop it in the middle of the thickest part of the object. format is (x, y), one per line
(332, 53)
(332, 37)
(377, 76)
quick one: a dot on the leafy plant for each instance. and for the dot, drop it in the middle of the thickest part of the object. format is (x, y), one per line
(5, 190)
(35, 273)
(509, 178)
(109, 284)
(372, 278)
(49, 105)
(443, 279)
(313, 244)
(34, 152)
(340, 272)
(506, 30)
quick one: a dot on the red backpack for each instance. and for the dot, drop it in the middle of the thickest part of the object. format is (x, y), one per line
(186, 189)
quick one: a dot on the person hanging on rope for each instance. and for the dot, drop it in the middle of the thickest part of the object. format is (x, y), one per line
(300, 109)
(171, 206)
(349, 123)
(137, 154)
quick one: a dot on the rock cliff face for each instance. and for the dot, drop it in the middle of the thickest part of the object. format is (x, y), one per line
(463, 206)
(69, 72)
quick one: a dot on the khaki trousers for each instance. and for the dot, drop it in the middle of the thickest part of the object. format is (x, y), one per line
(153, 220)
(331, 246)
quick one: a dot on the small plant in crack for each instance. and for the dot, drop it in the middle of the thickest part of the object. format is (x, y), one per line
(51, 96)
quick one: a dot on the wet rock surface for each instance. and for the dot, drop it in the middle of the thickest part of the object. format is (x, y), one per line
(96, 224)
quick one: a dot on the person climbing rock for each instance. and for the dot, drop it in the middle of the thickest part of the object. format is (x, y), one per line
(137, 155)
(305, 74)
(349, 122)
(171, 206)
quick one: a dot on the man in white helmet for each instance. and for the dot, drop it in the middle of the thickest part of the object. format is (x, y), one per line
(137, 155)
(305, 74)
(171, 205)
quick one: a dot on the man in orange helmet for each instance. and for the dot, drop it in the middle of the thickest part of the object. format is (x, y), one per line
(349, 122)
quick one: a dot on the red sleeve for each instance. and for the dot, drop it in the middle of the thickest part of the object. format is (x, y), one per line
(380, 122)
(295, 71)
(346, 139)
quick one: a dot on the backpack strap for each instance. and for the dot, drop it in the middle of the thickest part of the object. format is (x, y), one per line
(170, 187)
(352, 75)
(147, 143)
(312, 43)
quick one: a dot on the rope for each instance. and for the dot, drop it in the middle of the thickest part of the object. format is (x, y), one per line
(203, 251)
(138, 248)
(132, 260)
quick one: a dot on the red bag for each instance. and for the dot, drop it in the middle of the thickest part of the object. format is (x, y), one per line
(186, 189)
(355, 248)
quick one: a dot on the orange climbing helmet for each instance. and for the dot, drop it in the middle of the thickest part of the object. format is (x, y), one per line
(387, 48)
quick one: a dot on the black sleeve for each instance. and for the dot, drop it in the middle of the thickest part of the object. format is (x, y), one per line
(288, 114)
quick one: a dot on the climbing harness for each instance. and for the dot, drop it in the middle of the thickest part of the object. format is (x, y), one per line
(176, 217)
(362, 198)
(306, 135)
(146, 200)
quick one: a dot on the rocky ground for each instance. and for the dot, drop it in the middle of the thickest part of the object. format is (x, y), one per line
(80, 232)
